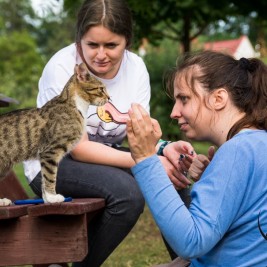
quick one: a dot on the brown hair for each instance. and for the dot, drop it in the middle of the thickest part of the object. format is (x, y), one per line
(244, 79)
(114, 15)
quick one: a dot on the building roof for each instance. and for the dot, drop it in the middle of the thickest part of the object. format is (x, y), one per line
(229, 46)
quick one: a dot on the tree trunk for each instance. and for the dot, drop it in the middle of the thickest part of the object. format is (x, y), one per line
(186, 44)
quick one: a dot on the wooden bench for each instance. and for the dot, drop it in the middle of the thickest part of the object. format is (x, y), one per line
(43, 234)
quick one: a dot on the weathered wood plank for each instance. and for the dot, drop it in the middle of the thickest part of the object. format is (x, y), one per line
(43, 240)
(47, 234)
(9, 212)
(75, 207)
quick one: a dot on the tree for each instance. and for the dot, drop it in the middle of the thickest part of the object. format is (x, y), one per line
(21, 62)
(184, 20)
(20, 67)
(159, 61)
(181, 21)
(16, 15)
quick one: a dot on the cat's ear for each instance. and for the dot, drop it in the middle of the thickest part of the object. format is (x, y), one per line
(82, 72)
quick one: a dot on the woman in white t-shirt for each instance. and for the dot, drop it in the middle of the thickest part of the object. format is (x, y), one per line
(98, 166)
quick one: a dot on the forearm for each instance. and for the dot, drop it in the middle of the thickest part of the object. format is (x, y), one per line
(187, 233)
(93, 152)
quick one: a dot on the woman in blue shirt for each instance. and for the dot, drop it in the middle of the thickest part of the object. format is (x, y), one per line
(223, 101)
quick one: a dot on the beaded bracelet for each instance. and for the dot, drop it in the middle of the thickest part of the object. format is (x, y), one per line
(162, 146)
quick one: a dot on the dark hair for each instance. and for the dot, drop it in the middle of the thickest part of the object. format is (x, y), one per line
(114, 15)
(244, 79)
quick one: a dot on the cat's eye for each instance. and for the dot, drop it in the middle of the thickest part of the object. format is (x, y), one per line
(92, 89)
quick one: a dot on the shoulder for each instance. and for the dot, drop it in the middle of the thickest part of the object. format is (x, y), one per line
(133, 60)
(68, 52)
(245, 150)
(134, 65)
(247, 140)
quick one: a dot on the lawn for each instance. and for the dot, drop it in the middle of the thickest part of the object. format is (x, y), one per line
(143, 247)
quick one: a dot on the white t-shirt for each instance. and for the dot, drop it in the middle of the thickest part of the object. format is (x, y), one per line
(130, 85)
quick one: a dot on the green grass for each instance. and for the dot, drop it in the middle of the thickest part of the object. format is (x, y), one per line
(143, 247)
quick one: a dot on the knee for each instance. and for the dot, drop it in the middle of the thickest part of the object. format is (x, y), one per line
(137, 202)
(129, 205)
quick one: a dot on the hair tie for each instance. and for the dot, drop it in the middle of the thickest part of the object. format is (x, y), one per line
(245, 64)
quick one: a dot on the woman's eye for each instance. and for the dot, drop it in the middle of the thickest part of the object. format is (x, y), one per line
(184, 99)
(92, 45)
(111, 45)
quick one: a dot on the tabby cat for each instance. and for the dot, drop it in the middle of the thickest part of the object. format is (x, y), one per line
(48, 133)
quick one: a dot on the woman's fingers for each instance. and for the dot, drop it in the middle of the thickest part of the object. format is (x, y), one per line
(143, 133)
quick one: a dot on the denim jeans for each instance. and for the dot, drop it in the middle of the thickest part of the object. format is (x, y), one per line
(124, 203)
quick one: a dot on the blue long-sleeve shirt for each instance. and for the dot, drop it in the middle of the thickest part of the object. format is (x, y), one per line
(221, 226)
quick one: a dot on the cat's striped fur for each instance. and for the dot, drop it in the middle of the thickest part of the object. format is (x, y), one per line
(48, 133)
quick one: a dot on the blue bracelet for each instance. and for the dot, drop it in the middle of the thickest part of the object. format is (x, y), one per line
(162, 146)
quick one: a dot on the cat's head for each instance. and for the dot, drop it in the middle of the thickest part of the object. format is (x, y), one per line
(89, 88)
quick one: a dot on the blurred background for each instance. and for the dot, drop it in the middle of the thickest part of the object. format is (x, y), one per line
(31, 31)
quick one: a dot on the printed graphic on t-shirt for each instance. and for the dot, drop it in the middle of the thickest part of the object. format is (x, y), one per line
(109, 113)
(107, 123)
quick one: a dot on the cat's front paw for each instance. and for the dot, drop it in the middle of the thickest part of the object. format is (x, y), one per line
(5, 202)
(52, 198)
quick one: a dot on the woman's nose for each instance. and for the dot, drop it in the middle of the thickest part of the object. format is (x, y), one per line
(101, 53)
(176, 111)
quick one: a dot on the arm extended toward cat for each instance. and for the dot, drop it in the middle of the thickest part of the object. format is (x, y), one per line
(93, 152)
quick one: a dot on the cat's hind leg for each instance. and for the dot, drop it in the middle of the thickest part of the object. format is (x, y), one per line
(49, 166)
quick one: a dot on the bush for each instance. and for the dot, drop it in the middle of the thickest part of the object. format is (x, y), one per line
(158, 61)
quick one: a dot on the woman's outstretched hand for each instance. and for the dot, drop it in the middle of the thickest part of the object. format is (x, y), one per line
(143, 133)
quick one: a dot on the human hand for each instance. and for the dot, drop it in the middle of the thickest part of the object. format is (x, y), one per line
(143, 133)
(175, 172)
(180, 155)
(200, 163)
(173, 151)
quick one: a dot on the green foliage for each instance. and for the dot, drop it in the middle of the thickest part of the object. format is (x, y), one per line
(21, 66)
(177, 20)
(185, 20)
(16, 15)
(158, 61)
(55, 31)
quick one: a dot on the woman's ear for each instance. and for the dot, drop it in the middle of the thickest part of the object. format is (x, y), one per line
(219, 98)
